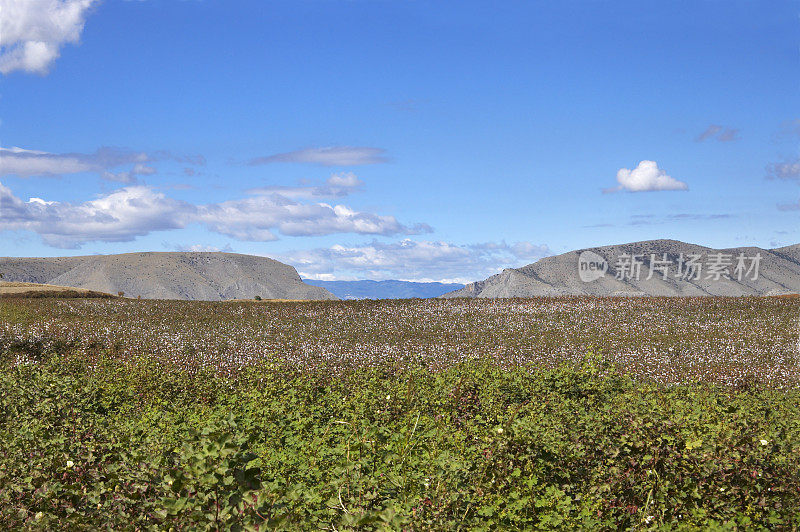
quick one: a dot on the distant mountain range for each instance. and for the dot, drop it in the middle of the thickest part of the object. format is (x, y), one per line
(650, 268)
(168, 275)
(384, 289)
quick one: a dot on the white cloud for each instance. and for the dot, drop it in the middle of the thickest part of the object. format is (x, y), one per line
(345, 180)
(27, 163)
(413, 260)
(40, 201)
(647, 176)
(138, 210)
(117, 217)
(130, 176)
(337, 185)
(195, 248)
(32, 32)
(104, 161)
(328, 156)
(787, 170)
(30, 163)
(256, 218)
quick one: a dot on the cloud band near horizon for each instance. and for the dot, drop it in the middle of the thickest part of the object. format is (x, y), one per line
(130, 212)
(413, 260)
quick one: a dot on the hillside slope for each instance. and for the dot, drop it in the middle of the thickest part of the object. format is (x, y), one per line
(168, 275)
(778, 273)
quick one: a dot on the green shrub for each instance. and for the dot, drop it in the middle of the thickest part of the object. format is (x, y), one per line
(105, 443)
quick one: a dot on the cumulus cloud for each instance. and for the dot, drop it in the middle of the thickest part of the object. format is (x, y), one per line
(413, 260)
(328, 156)
(32, 32)
(647, 176)
(722, 134)
(789, 171)
(134, 211)
(256, 218)
(104, 161)
(116, 217)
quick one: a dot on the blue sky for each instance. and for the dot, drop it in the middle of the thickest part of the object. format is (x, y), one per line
(424, 140)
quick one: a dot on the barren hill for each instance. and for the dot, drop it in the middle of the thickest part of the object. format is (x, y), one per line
(650, 268)
(168, 275)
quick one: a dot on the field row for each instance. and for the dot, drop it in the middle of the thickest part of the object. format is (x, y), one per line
(667, 340)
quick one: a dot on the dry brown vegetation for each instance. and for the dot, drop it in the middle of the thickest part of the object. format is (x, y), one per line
(268, 300)
(35, 290)
(668, 340)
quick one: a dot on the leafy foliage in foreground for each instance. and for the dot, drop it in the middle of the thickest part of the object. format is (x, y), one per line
(95, 442)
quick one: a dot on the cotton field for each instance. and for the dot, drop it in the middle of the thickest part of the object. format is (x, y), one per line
(731, 341)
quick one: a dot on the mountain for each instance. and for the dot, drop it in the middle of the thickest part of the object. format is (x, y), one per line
(384, 289)
(168, 275)
(679, 269)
